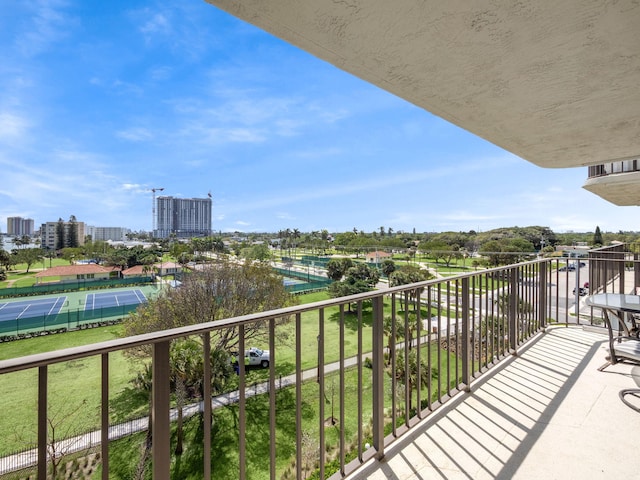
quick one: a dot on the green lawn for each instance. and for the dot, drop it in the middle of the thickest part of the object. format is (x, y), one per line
(18, 276)
(72, 385)
(225, 459)
(76, 385)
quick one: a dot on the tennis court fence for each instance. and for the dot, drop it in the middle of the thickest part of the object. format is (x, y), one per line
(63, 321)
(311, 282)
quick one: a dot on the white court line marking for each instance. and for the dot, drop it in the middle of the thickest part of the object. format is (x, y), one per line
(56, 304)
(140, 300)
(23, 311)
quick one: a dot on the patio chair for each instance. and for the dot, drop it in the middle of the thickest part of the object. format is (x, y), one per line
(634, 392)
(624, 344)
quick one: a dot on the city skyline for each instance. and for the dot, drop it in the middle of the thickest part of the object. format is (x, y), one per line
(102, 103)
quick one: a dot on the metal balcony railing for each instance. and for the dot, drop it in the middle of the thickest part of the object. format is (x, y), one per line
(625, 166)
(369, 352)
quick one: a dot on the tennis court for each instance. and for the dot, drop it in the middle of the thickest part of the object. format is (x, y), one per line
(287, 281)
(69, 312)
(96, 301)
(31, 308)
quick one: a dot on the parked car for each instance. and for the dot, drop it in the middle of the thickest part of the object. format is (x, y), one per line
(256, 357)
(582, 291)
(569, 267)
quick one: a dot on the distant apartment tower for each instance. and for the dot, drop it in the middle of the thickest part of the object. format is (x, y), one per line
(18, 226)
(183, 217)
(103, 234)
(49, 233)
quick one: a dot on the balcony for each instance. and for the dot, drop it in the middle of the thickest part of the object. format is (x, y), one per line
(545, 413)
(512, 389)
(616, 182)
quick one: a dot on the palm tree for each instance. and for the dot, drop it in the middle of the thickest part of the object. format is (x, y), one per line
(412, 376)
(295, 234)
(186, 367)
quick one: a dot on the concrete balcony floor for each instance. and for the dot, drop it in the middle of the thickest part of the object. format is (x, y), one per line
(546, 413)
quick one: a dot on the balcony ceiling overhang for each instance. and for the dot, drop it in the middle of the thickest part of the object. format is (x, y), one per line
(620, 189)
(554, 82)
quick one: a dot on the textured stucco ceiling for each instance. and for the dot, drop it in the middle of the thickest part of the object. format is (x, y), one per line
(555, 82)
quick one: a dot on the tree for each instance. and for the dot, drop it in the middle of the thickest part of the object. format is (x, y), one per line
(258, 252)
(410, 274)
(357, 279)
(337, 267)
(441, 250)
(62, 423)
(6, 259)
(295, 235)
(388, 267)
(72, 233)
(186, 372)
(71, 254)
(29, 256)
(597, 237)
(507, 251)
(222, 290)
(60, 234)
(411, 377)
(178, 249)
(97, 250)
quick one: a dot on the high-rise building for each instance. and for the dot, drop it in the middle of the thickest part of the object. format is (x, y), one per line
(18, 226)
(49, 234)
(183, 217)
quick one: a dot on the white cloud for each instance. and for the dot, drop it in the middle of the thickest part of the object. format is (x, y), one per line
(157, 23)
(12, 126)
(285, 216)
(134, 188)
(48, 25)
(217, 136)
(135, 134)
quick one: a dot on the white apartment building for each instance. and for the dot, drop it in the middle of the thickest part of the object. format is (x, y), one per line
(49, 233)
(115, 234)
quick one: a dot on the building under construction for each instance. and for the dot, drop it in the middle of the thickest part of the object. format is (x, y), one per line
(182, 217)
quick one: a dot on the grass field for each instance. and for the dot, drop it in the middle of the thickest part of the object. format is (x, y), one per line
(76, 386)
(18, 276)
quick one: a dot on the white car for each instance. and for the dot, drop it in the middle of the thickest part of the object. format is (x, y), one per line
(255, 357)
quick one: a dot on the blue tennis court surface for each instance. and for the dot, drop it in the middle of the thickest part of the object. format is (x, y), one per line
(31, 308)
(114, 299)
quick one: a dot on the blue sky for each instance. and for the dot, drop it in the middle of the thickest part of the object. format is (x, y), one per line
(102, 101)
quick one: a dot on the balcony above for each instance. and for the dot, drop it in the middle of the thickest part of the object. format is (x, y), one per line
(616, 182)
(555, 83)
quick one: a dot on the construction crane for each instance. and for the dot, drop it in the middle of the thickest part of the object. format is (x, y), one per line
(153, 209)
